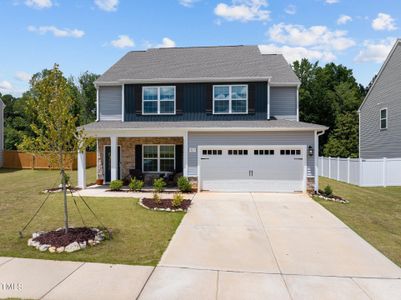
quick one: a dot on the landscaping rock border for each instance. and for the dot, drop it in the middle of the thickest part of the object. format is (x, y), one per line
(98, 236)
(334, 198)
(140, 202)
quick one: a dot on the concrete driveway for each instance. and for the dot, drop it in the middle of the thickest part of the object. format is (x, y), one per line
(269, 246)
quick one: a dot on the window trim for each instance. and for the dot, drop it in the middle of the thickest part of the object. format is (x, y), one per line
(385, 118)
(158, 158)
(230, 112)
(158, 99)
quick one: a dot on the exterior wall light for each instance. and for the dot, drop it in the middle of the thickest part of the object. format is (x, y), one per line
(310, 150)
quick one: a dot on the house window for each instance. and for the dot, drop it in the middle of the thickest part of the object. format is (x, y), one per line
(238, 152)
(158, 158)
(212, 152)
(263, 152)
(230, 99)
(290, 152)
(383, 118)
(158, 100)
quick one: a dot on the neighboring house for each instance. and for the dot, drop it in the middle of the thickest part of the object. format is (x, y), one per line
(380, 112)
(1, 133)
(226, 117)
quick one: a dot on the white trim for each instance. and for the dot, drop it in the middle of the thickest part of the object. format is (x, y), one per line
(268, 100)
(284, 84)
(123, 102)
(158, 158)
(185, 154)
(159, 100)
(185, 80)
(316, 153)
(380, 72)
(104, 162)
(97, 104)
(297, 103)
(230, 112)
(274, 147)
(385, 118)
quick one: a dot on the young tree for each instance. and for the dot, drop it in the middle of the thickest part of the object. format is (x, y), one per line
(51, 105)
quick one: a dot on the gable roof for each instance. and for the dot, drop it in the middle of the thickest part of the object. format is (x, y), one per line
(397, 43)
(197, 64)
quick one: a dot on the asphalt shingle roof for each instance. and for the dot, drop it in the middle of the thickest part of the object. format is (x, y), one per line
(267, 124)
(199, 63)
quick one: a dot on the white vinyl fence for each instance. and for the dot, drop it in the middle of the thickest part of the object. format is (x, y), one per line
(362, 172)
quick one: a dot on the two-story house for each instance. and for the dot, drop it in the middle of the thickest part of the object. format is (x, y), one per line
(226, 117)
(380, 112)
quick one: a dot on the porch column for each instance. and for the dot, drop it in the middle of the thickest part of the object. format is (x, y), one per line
(185, 154)
(113, 160)
(81, 166)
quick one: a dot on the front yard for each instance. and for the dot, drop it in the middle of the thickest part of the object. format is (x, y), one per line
(140, 235)
(374, 213)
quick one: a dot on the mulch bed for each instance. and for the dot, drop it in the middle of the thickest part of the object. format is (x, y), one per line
(146, 191)
(334, 198)
(58, 189)
(165, 204)
(60, 239)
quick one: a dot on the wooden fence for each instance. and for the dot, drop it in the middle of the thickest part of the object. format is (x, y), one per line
(24, 160)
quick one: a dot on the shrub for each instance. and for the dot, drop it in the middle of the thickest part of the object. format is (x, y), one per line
(67, 179)
(116, 185)
(177, 200)
(184, 185)
(156, 198)
(159, 185)
(328, 191)
(135, 184)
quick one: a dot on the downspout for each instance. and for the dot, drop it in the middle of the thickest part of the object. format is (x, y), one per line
(268, 99)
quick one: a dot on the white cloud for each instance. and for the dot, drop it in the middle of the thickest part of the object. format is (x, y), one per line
(291, 9)
(292, 54)
(5, 86)
(23, 76)
(243, 10)
(39, 4)
(107, 5)
(187, 3)
(57, 32)
(384, 22)
(316, 37)
(343, 19)
(332, 1)
(375, 52)
(123, 41)
(166, 43)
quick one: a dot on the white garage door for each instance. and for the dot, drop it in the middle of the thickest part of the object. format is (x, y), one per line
(253, 169)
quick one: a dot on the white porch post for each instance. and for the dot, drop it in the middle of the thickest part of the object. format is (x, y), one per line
(81, 165)
(185, 154)
(114, 160)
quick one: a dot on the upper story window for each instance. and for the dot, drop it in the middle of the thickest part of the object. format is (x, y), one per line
(230, 99)
(158, 100)
(383, 118)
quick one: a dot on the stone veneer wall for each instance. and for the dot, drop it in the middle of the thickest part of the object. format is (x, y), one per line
(128, 150)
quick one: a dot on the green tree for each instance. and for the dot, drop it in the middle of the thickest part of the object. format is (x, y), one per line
(55, 133)
(343, 140)
(87, 91)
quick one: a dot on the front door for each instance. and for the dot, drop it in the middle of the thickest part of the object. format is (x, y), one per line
(107, 164)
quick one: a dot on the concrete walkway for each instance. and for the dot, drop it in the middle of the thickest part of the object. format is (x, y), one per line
(229, 246)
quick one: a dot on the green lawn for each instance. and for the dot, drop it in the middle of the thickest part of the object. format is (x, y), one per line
(374, 213)
(140, 236)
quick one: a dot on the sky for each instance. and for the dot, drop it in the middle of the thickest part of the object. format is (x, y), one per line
(82, 35)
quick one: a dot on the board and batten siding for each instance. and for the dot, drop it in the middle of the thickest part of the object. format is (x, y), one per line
(386, 93)
(1, 133)
(110, 103)
(195, 139)
(283, 103)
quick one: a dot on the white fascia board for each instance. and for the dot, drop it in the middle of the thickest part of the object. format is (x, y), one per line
(182, 80)
(285, 84)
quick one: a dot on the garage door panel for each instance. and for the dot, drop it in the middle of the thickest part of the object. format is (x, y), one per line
(274, 172)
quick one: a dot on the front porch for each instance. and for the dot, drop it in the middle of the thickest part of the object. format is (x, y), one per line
(123, 157)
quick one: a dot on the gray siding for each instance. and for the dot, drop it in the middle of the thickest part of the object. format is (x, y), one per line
(376, 143)
(248, 138)
(110, 102)
(283, 103)
(1, 133)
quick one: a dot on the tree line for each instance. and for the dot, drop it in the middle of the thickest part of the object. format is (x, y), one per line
(328, 95)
